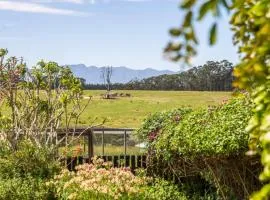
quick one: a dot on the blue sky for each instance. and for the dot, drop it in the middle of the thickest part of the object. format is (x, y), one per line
(128, 33)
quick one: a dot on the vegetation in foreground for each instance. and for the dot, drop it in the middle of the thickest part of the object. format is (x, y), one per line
(192, 136)
(250, 23)
(100, 181)
(29, 142)
(206, 145)
(41, 101)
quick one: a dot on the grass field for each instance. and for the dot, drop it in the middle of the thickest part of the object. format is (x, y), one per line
(130, 111)
(108, 150)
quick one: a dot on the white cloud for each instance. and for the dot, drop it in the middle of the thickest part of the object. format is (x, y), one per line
(137, 0)
(111, 1)
(97, 1)
(59, 1)
(68, 1)
(92, 1)
(37, 8)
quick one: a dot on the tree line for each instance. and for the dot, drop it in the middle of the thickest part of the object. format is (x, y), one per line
(212, 76)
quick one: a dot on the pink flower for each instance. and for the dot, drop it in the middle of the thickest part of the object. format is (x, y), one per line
(152, 136)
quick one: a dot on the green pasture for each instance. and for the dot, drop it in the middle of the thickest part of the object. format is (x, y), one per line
(130, 111)
(109, 150)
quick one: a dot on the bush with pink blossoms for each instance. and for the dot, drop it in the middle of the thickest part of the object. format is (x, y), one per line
(101, 181)
(98, 181)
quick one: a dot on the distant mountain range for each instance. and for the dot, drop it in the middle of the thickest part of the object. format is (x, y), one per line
(92, 74)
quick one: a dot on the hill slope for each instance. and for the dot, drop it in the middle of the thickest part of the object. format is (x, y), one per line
(212, 76)
(92, 74)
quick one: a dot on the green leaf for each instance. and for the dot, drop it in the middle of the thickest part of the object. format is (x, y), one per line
(193, 36)
(175, 32)
(188, 3)
(213, 34)
(188, 19)
(205, 8)
(3, 52)
(176, 47)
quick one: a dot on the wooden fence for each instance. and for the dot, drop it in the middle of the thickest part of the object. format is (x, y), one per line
(88, 133)
(131, 161)
(123, 160)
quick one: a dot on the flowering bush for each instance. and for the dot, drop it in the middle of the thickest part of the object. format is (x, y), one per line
(153, 125)
(71, 151)
(212, 131)
(101, 181)
(98, 180)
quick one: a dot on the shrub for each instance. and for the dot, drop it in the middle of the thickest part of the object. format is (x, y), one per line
(153, 125)
(207, 143)
(164, 190)
(218, 130)
(101, 181)
(97, 180)
(24, 189)
(214, 131)
(27, 160)
(25, 170)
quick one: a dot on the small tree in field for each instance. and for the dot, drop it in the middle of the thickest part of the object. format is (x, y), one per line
(106, 75)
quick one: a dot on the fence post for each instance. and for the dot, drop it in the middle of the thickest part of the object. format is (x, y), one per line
(90, 145)
(102, 142)
(125, 142)
(133, 163)
(84, 144)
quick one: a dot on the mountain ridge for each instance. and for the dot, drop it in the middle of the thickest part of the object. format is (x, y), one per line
(121, 74)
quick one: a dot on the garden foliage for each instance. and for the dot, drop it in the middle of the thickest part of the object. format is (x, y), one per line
(208, 143)
(24, 172)
(212, 131)
(38, 101)
(250, 23)
(101, 181)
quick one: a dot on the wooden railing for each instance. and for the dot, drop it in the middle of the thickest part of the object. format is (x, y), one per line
(123, 160)
(132, 161)
(80, 132)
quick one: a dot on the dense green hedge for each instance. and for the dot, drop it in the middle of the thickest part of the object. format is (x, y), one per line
(204, 147)
(208, 131)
